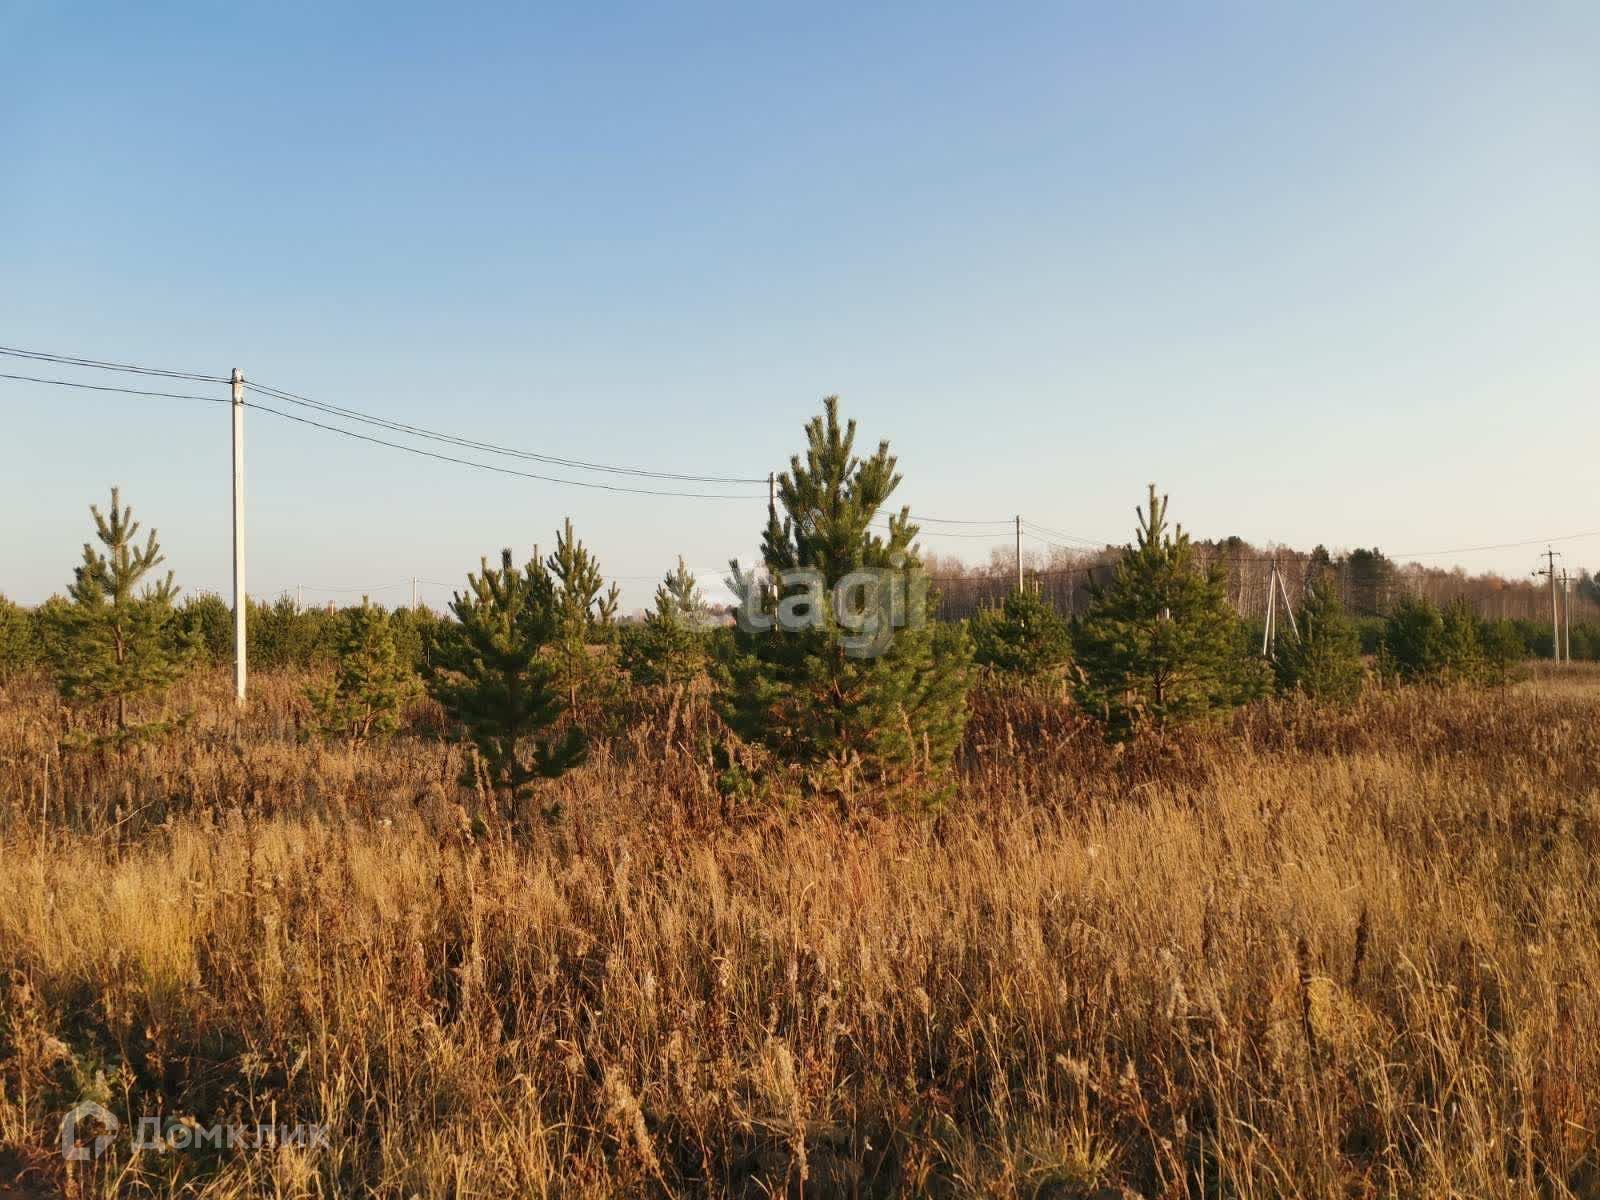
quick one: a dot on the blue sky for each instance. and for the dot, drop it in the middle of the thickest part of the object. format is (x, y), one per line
(1326, 273)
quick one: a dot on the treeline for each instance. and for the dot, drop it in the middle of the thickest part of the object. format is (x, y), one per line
(1367, 582)
(280, 635)
(834, 681)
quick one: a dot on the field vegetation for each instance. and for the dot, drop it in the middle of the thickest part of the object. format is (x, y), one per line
(836, 901)
(1313, 951)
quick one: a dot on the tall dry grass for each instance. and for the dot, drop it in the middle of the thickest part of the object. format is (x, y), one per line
(1316, 953)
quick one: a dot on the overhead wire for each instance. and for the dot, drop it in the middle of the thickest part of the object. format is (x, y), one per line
(95, 387)
(419, 431)
(499, 470)
(377, 587)
(103, 387)
(73, 360)
(1068, 537)
(1038, 531)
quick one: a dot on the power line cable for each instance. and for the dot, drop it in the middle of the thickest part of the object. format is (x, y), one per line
(998, 535)
(1070, 537)
(918, 517)
(100, 387)
(466, 462)
(1566, 537)
(352, 414)
(1058, 545)
(1035, 528)
(71, 360)
(377, 587)
(419, 431)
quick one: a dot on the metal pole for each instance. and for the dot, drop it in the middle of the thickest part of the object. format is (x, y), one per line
(240, 602)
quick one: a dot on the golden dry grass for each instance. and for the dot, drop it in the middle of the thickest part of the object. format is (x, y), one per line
(1317, 953)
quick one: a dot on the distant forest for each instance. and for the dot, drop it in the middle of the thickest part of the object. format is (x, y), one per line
(1368, 582)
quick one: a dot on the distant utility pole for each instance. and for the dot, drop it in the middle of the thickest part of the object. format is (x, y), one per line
(1019, 552)
(413, 593)
(1566, 611)
(1275, 588)
(1549, 572)
(1272, 604)
(772, 490)
(239, 600)
(299, 597)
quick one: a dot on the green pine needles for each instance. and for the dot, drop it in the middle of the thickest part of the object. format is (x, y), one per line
(118, 642)
(372, 683)
(839, 673)
(585, 611)
(1024, 636)
(1160, 644)
(20, 649)
(669, 647)
(492, 675)
(1324, 662)
(1424, 644)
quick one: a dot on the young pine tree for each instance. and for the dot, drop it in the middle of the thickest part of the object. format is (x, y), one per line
(1325, 661)
(1414, 642)
(1024, 636)
(20, 651)
(1461, 651)
(1503, 651)
(490, 674)
(118, 643)
(207, 620)
(415, 630)
(585, 615)
(850, 685)
(670, 646)
(372, 680)
(1160, 644)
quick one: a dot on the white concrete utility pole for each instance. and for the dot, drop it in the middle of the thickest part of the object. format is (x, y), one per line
(1019, 552)
(1549, 571)
(1566, 611)
(239, 602)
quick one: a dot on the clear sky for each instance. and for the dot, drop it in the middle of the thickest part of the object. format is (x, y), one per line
(1327, 273)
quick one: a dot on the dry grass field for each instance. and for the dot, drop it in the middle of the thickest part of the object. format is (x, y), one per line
(1315, 952)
